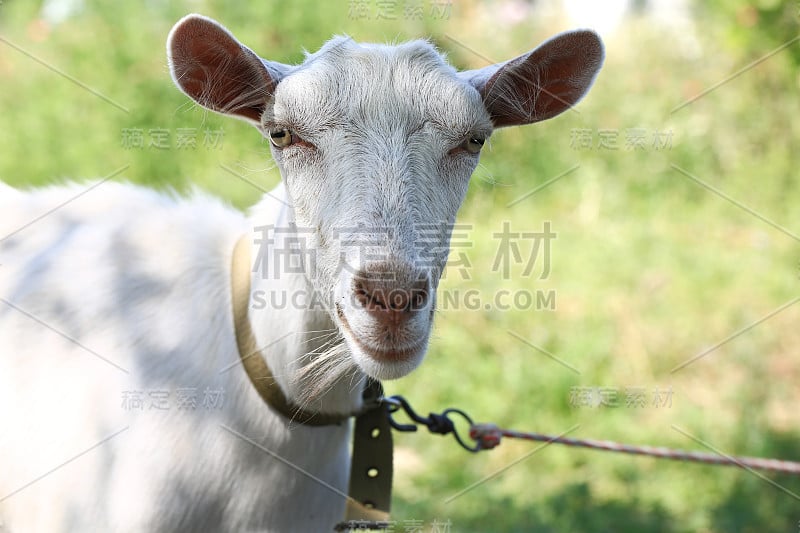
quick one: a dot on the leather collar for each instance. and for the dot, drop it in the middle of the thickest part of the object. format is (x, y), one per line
(253, 361)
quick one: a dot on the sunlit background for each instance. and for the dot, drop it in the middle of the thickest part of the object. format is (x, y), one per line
(672, 190)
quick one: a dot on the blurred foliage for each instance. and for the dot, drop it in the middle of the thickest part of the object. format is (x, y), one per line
(758, 26)
(662, 252)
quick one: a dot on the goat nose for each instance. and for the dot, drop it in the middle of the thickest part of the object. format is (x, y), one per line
(389, 296)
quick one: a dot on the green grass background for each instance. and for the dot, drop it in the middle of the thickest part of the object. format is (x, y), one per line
(649, 267)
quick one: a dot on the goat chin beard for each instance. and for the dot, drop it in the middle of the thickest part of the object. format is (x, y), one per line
(344, 361)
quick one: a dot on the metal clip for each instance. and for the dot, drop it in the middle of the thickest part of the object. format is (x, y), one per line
(441, 424)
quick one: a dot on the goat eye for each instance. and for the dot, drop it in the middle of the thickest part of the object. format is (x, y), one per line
(473, 145)
(281, 138)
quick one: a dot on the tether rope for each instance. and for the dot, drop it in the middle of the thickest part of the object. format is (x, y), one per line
(488, 436)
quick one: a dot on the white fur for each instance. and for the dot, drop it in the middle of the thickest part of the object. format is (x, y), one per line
(124, 289)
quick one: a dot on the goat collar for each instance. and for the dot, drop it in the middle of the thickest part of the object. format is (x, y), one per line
(253, 361)
(369, 496)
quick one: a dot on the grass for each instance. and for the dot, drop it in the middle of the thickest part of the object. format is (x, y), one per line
(660, 255)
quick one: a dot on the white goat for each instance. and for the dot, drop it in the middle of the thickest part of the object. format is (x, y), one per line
(122, 295)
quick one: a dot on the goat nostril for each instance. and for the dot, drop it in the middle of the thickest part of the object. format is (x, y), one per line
(419, 299)
(419, 294)
(398, 300)
(377, 300)
(377, 295)
(361, 293)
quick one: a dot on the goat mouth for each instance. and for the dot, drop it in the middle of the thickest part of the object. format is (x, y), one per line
(382, 356)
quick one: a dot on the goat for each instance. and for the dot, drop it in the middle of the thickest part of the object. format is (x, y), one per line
(116, 300)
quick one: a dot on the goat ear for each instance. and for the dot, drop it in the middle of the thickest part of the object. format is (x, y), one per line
(540, 84)
(216, 71)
